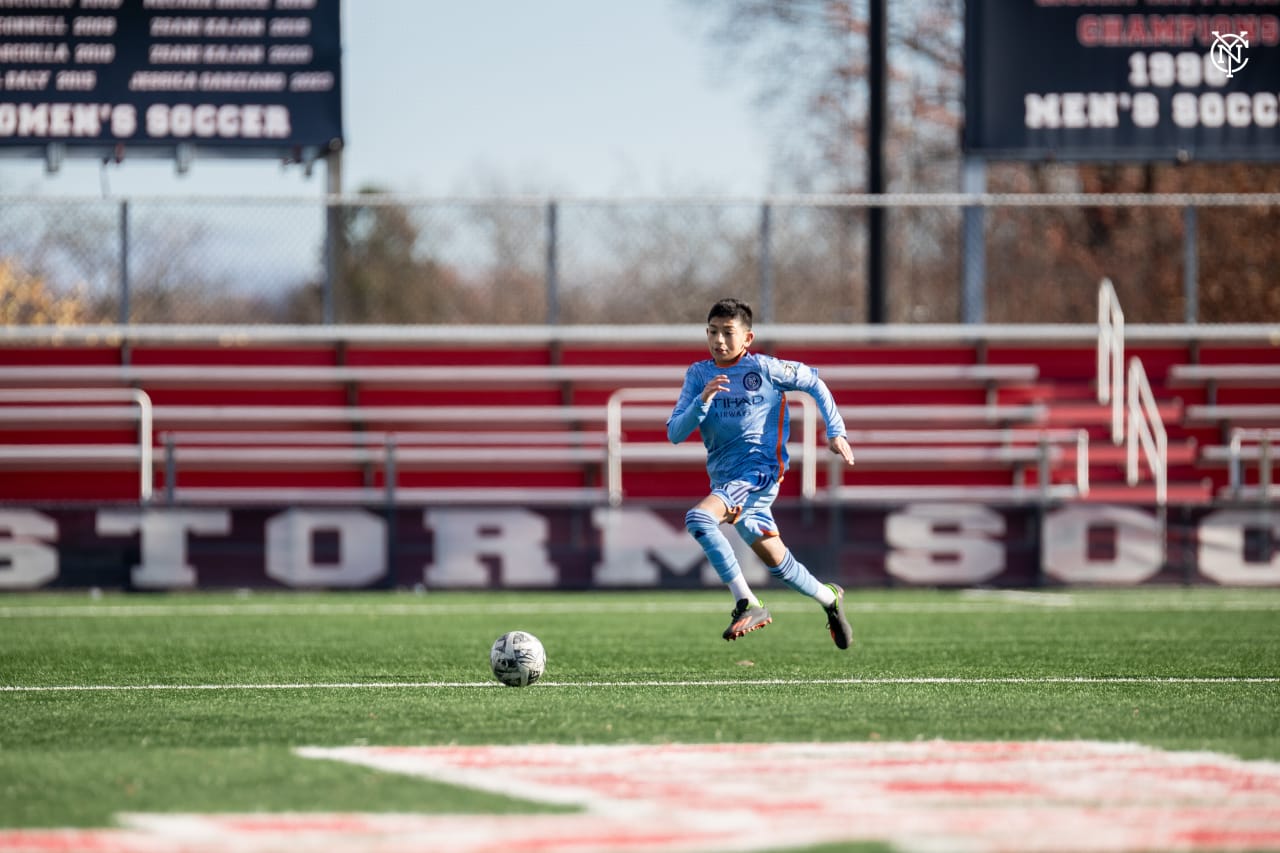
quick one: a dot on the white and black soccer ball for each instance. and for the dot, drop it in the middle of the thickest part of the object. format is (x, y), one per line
(517, 658)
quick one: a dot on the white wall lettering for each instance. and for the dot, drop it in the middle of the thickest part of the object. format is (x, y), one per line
(25, 561)
(362, 548)
(515, 538)
(163, 541)
(944, 543)
(1222, 556)
(1138, 552)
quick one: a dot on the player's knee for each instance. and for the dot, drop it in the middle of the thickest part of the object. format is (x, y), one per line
(781, 566)
(699, 522)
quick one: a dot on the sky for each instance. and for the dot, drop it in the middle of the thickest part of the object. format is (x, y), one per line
(455, 98)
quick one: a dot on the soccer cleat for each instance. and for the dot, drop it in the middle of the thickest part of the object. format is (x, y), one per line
(836, 623)
(746, 618)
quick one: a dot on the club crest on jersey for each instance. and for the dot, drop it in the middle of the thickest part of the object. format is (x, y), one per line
(752, 381)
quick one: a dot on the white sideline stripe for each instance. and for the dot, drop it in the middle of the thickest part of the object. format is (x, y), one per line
(1020, 596)
(977, 604)
(723, 682)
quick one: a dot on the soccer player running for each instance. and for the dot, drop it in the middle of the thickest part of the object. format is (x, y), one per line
(737, 400)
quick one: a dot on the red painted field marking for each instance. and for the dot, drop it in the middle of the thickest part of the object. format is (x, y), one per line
(1049, 796)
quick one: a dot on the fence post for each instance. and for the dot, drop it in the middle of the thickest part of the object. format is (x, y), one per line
(553, 265)
(766, 263)
(333, 233)
(330, 263)
(1190, 264)
(974, 245)
(170, 469)
(124, 263)
(1264, 467)
(877, 122)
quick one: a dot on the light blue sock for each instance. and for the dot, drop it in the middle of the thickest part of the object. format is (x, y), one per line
(793, 573)
(704, 528)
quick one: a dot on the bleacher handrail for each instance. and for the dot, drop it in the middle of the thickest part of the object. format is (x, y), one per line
(1082, 462)
(1111, 356)
(615, 448)
(1263, 439)
(1146, 429)
(136, 396)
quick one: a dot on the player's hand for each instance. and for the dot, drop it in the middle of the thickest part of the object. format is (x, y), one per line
(840, 447)
(714, 386)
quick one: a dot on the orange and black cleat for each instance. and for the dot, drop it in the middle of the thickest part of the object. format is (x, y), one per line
(746, 618)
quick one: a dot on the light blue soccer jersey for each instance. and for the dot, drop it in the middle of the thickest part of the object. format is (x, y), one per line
(745, 429)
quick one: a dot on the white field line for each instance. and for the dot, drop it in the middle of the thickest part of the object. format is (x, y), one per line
(1020, 596)
(1000, 604)
(725, 682)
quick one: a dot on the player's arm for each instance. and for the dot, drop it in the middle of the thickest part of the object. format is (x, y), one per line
(694, 403)
(800, 377)
(831, 414)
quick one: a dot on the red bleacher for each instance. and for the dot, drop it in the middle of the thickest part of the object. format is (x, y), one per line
(494, 416)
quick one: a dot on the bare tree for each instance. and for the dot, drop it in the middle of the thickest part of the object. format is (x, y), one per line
(381, 275)
(809, 58)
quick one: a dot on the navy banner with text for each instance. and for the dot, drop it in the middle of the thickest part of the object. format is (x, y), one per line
(1119, 80)
(241, 76)
(634, 547)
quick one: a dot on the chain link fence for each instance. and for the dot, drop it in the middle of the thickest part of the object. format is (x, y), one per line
(379, 259)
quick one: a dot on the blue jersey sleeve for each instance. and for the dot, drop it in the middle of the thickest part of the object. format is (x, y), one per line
(798, 376)
(690, 410)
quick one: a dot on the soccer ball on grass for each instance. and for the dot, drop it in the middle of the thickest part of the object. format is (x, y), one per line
(517, 658)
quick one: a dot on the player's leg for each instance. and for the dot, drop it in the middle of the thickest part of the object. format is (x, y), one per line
(783, 565)
(703, 523)
(760, 531)
(755, 524)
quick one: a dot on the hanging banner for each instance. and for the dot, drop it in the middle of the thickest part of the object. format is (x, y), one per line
(233, 76)
(1121, 80)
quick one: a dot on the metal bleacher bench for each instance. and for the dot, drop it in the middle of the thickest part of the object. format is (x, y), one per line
(1224, 374)
(1244, 414)
(1242, 420)
(889, 375)
(1215, 376)
(288, 417)
(1257, 446)
(392, 452)
(302, 436)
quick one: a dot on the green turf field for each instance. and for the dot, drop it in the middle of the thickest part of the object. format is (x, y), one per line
(193, 703)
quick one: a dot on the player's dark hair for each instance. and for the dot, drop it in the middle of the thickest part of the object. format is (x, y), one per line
(731, 309)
